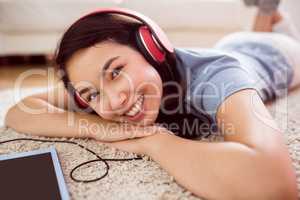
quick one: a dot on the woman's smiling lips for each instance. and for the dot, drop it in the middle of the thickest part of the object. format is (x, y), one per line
(138, 116)
(136, 112)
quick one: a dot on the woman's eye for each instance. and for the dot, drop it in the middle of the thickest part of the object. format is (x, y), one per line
(115, 72)
(92, 96)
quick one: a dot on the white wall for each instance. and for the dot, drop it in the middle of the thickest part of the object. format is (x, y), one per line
(55, 15)
(35, 26)
(293, 8)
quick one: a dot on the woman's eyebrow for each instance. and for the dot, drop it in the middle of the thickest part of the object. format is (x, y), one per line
(107, 64)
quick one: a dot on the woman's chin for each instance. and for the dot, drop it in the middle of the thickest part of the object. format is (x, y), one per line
(150, 119)
(146, 121)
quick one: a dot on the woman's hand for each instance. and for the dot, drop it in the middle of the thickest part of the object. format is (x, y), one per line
(150, 139)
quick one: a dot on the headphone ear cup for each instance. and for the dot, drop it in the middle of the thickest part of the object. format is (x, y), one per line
(147, 44)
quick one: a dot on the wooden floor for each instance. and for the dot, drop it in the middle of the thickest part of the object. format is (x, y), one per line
(26, 76)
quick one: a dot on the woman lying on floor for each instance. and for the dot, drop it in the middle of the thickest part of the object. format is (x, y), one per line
(129, 94)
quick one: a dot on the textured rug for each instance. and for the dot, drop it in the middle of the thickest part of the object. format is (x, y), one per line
(139, 179)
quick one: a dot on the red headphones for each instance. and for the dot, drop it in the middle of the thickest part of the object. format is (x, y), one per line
(151, 40)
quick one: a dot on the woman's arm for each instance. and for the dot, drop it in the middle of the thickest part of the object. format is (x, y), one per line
(50, 114)
(253, 162)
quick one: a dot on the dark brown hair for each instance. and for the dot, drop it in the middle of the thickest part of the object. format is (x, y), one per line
(90, 30)
(99, 27)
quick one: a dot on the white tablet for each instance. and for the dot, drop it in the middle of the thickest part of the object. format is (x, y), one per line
(33, 175)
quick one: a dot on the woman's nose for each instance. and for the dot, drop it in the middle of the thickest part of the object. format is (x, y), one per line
(118, 101)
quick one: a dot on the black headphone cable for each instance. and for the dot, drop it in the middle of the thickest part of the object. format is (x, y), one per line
(99, 159)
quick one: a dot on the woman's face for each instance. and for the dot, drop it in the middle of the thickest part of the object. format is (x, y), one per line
(117, 82)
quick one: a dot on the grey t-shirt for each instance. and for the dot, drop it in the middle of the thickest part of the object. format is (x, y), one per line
(214, 74)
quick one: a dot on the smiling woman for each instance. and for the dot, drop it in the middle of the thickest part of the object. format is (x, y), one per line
(121, 84)
(116, 93)
(118, 69)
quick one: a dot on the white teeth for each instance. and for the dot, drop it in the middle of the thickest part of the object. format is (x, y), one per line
(136, 107)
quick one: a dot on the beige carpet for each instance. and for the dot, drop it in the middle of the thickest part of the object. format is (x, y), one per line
(141, 179)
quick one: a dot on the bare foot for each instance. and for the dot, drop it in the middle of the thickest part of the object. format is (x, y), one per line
(277, 17)
(265, 22)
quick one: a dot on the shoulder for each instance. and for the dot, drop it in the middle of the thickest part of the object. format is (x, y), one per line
(204, 54)
(199, 59)
(209, 66)
(212, 76)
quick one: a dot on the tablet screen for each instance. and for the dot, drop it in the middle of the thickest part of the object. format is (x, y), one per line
(29, 177)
